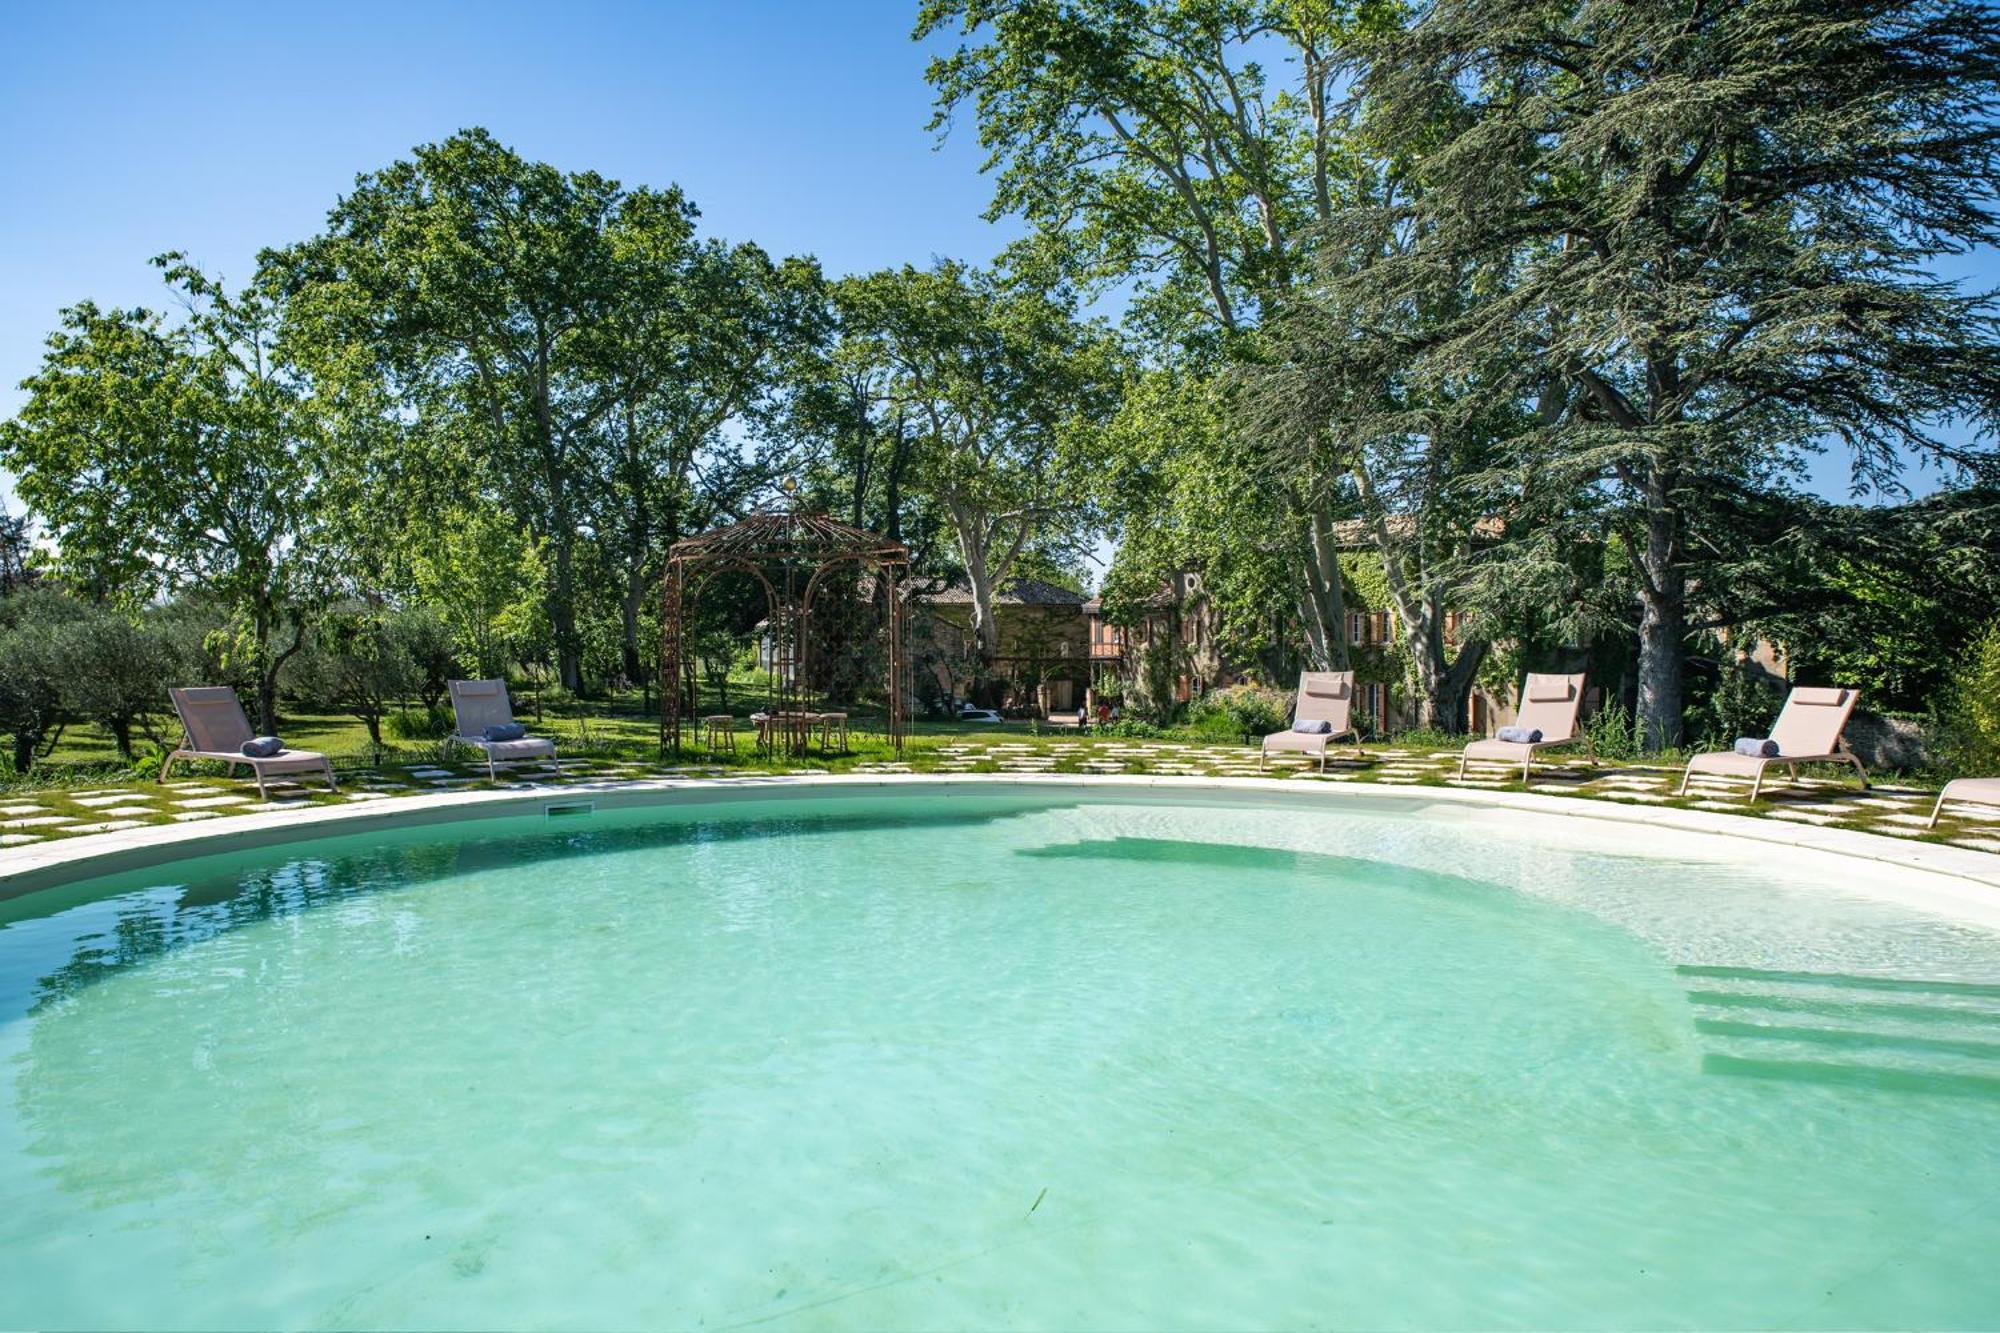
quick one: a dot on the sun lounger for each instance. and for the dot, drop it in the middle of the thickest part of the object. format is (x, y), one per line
(1550, 704)
(1808, 731)
(1324, 696)
(1973, 791)
(479, 704)
(215, 728)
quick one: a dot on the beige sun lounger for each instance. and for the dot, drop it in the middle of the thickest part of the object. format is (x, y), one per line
(215, 728)
(1973, 791)
(1324, 696)
(479, 704)
(1549, 704)
(1808, 731)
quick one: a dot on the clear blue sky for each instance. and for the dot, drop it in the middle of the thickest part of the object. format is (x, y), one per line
(129, 129)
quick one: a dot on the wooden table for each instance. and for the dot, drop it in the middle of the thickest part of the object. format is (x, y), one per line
(795, 725)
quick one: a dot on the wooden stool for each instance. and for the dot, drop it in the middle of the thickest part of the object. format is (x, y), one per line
(827, 723)
(719, 732)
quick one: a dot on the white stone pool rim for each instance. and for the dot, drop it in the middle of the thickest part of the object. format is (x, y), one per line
(1953, 881)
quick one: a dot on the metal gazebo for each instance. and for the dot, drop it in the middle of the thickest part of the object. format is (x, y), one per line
(789, 553)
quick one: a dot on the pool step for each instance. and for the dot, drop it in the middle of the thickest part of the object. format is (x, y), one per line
(1938, 1036)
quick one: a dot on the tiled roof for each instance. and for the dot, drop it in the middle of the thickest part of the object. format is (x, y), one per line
(1017, 592)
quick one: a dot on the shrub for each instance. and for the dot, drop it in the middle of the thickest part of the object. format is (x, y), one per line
(148, 757)
(1964, 729)
(419, 724)
(1240, 711)
(112, 668)
(1740, 705)
(1613, 732)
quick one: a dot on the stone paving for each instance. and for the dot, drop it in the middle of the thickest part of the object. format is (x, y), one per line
(1889, 808)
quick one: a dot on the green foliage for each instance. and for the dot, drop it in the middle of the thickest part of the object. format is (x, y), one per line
(565, 347)
(1705, 239)
(1964, 730)
(484, 578)
(33, 672)
(1129, 728)
(1741, 704)
(113, 666)
(1151, 692)
(1003, 389)
(166, 455)
(418, 724)
(426, 636)
(1240, 711)
(362, 664)
(1613, 732)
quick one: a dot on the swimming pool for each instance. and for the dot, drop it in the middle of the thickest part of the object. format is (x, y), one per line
(1033, 1058)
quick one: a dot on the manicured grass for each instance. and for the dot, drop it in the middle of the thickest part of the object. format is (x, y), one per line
(599, 748)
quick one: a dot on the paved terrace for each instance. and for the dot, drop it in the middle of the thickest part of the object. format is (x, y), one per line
(1891, 809)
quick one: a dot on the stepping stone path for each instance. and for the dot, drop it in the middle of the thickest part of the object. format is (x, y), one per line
(1898, 811)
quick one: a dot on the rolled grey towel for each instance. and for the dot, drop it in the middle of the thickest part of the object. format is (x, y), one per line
(1519, 735)
(1320, 728)
(506, 731)
(262, 747)
(1756, 748)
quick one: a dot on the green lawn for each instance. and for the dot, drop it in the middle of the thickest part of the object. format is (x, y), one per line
(84, 790)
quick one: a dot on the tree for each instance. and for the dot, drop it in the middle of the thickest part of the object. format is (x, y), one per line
(113, 666)
(1344, 385)
(1004, 389)
(17, 548)
(164, 456)
(474, 279)
(427, 638)
(1182, 495)
(699, 337)
(32, 672)
(482, 575)
(1717, 224)
(1150, 143)
(363, 665)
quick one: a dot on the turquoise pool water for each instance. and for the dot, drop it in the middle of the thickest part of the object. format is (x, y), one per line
(920, 1062)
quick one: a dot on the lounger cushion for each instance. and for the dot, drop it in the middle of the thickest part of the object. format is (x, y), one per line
(1550, 691)
(1514, 751)
(506, 731)
(1756, 747)
(525, 748)
(1824, 696)
(1292, 740)
(1519, 735)
(263, 747)
(290, 761)
(1320, 727)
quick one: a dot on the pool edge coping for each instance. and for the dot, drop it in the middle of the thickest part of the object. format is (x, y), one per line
(25, 870)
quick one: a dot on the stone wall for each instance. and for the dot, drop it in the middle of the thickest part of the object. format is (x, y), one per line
(1887, 742)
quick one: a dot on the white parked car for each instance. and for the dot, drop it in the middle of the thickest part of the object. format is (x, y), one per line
(967, 713)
